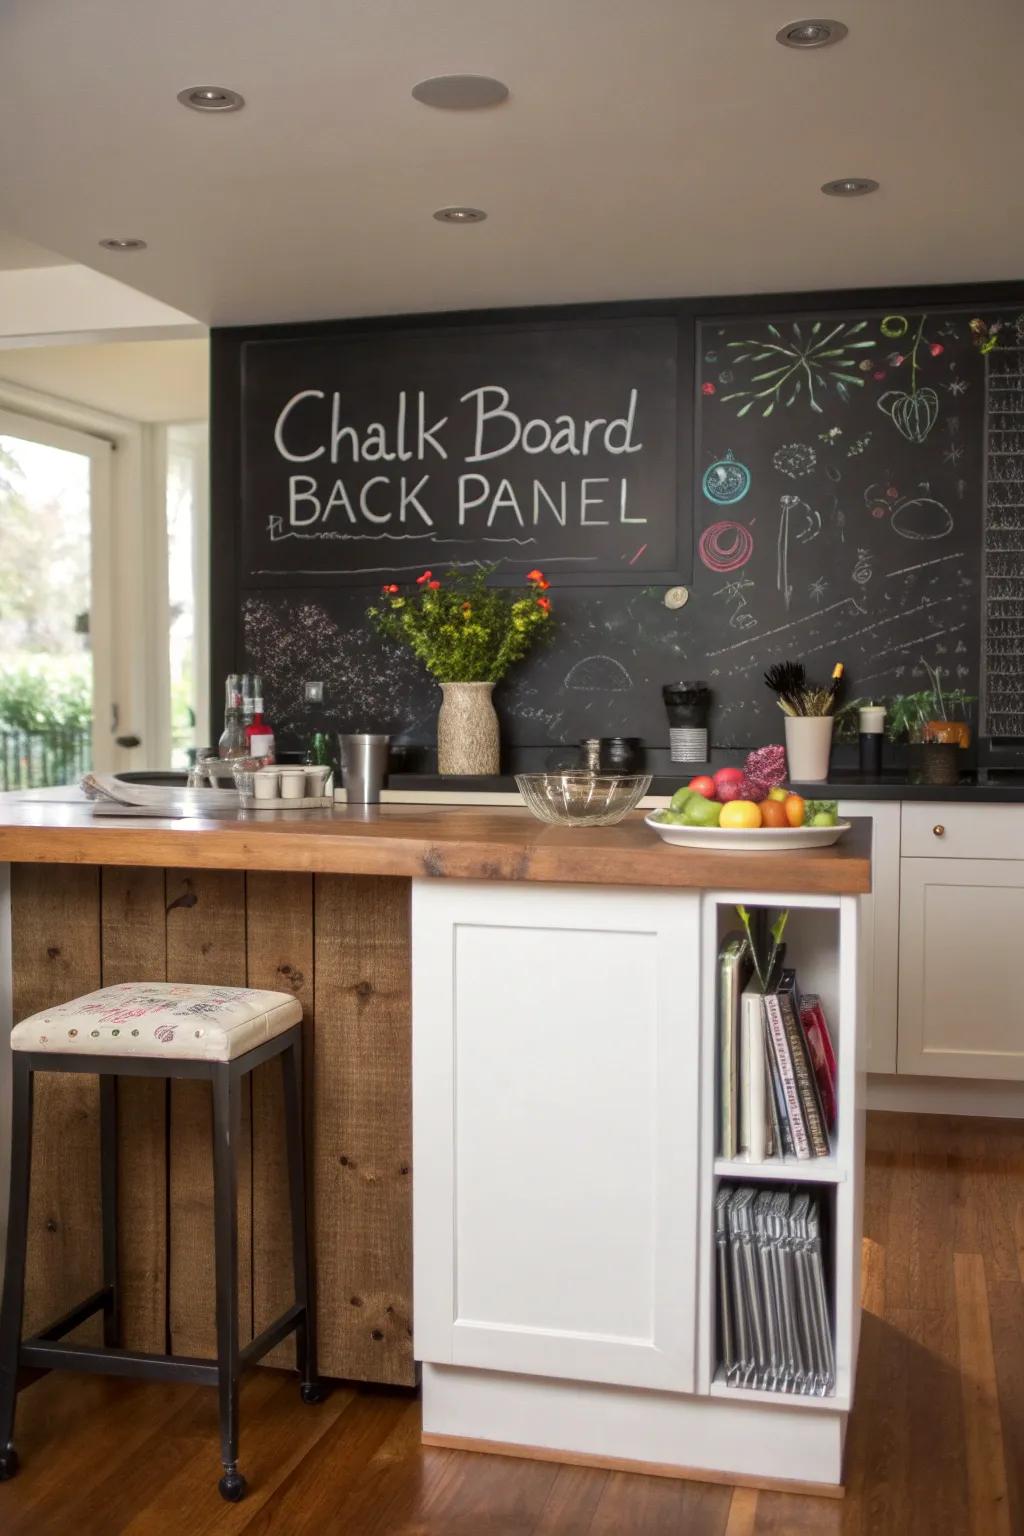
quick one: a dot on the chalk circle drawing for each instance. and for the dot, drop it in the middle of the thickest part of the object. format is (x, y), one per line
(726, 546)
(862, 571)
(921, 517)
(598, 674)
(726, 481)
(800, 364)
(895, 326)
(795, 460)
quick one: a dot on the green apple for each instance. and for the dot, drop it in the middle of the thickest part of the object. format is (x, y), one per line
(778, 793)
(701, 812)
(679, 799)
(824, 819)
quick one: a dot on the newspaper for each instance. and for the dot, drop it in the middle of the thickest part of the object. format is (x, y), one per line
(110, 794)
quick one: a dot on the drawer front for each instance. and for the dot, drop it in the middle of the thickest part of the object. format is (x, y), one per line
(942, 830)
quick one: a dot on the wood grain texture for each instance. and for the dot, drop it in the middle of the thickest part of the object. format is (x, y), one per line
(279, 956)
(362, 1115)
(55, 935)
(456, 843)
(134, 948)
(205, 943)
(934, 1399)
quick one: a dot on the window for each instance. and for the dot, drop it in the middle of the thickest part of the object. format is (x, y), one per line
(187, 590)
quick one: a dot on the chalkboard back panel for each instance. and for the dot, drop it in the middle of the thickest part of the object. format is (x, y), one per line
(367, 457)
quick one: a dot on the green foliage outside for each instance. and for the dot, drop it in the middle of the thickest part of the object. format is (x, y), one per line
(461, 629)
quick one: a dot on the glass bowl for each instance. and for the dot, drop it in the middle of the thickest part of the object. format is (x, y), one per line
(579, 799)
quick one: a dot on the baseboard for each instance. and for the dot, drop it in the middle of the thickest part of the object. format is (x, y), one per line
(945, 1096)
(623, 1464)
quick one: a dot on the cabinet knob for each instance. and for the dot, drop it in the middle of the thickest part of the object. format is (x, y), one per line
(939, 830)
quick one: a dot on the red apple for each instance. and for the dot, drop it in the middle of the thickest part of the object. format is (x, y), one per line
(728, 775)
(732, 789)
(704, 785)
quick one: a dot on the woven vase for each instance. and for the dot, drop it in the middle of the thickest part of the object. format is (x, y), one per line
(468, 739)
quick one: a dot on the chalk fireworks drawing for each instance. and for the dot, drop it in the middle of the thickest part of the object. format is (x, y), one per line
(726, 546)
(794, 460)
(817, 589)
(958, 386)
(801, 364)
(914, 411)
(791, 507)
(726, 481)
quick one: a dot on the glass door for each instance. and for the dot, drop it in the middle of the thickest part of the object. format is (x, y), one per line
(56, 693)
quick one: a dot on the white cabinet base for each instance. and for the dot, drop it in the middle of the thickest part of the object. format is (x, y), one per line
(764, 1445)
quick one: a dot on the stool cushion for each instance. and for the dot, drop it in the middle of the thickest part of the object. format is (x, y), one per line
(160, 1019)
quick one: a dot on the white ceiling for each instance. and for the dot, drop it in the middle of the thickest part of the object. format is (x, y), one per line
(17, 254)
(649, 147)
(140, 380)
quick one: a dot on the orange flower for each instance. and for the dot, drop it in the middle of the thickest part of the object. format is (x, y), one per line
(535, 575)
(545, 603)
(433, 585)
(543, 584)
(389, 588)
(467, 607)
(421, 579)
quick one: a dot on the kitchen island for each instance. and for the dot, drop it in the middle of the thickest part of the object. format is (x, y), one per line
(546, 996)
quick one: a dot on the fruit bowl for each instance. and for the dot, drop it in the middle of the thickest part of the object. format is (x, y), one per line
(576, 799)
(747, 839)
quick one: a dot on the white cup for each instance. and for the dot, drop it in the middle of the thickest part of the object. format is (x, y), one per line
(317, 775)
(293, 783)
(266, 784)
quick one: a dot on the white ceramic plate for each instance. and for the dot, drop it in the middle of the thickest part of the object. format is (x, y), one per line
(749, 839)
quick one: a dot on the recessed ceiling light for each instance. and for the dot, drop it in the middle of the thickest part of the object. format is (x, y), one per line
(460, 215)
(128, 244)
(211, 98)
(460, 93)
(850, 186)
(811, 34)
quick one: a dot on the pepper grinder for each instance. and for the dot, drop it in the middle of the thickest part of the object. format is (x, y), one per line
(871, 720)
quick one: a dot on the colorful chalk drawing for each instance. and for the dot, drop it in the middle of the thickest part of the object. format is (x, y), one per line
(726, 481)
(800, 366)
(726, 546)
(914, 411)
(794, 460)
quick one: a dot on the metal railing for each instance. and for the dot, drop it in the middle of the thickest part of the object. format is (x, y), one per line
(37, 759)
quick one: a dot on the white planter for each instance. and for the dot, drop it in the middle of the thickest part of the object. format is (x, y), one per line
(808, 747)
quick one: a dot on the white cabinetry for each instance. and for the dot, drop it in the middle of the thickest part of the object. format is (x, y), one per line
(880, 930)
(961, 919)
(556, 1043)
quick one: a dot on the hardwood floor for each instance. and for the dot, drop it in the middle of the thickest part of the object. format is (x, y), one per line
(936, 1443)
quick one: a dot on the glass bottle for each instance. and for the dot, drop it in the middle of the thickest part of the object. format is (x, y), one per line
(259, 734)
(251, 687)
(232, 742)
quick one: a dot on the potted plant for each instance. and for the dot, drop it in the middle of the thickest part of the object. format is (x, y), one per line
(935, 722)
(467, 635)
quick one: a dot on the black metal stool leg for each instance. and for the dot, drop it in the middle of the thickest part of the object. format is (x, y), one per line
(226, 1133)
(108, 1164)
(305, 1333)
(13, 1306)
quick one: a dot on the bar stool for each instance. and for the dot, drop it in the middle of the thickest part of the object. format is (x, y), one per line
(159, 1029)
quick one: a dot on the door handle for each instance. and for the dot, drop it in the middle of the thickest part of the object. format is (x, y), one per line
(128, 741)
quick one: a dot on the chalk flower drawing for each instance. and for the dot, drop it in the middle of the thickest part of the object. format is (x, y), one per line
(801, 364)
(914, 411)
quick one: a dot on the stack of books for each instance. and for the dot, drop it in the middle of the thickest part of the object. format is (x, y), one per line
(777, 1066)
(774, 1322)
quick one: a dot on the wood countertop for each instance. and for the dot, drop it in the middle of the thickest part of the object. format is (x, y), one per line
(460, 843)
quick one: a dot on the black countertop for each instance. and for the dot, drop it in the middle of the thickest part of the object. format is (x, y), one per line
(984, 786)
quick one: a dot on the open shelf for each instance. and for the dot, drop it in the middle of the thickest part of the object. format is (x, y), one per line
(808, 1170)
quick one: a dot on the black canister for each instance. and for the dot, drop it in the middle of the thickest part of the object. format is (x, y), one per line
(621, 754)
(687, 706)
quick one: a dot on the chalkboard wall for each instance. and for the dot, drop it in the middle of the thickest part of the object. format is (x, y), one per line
(829, 476)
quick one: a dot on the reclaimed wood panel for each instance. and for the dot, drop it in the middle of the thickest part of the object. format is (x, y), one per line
(362, 1129)
(55, 934)
(205, 943)
(279, 955)
(134, 938)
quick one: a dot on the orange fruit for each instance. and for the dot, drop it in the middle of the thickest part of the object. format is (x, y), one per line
(740, 813)
(795, 810)
(773, 814)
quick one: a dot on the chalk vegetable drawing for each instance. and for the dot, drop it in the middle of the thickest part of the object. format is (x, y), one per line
(726, 481)
(802, 365)
(914, 411)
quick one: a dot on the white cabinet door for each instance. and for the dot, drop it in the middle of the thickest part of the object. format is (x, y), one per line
(880, 930)
(555, 1081)
(961, 1008)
